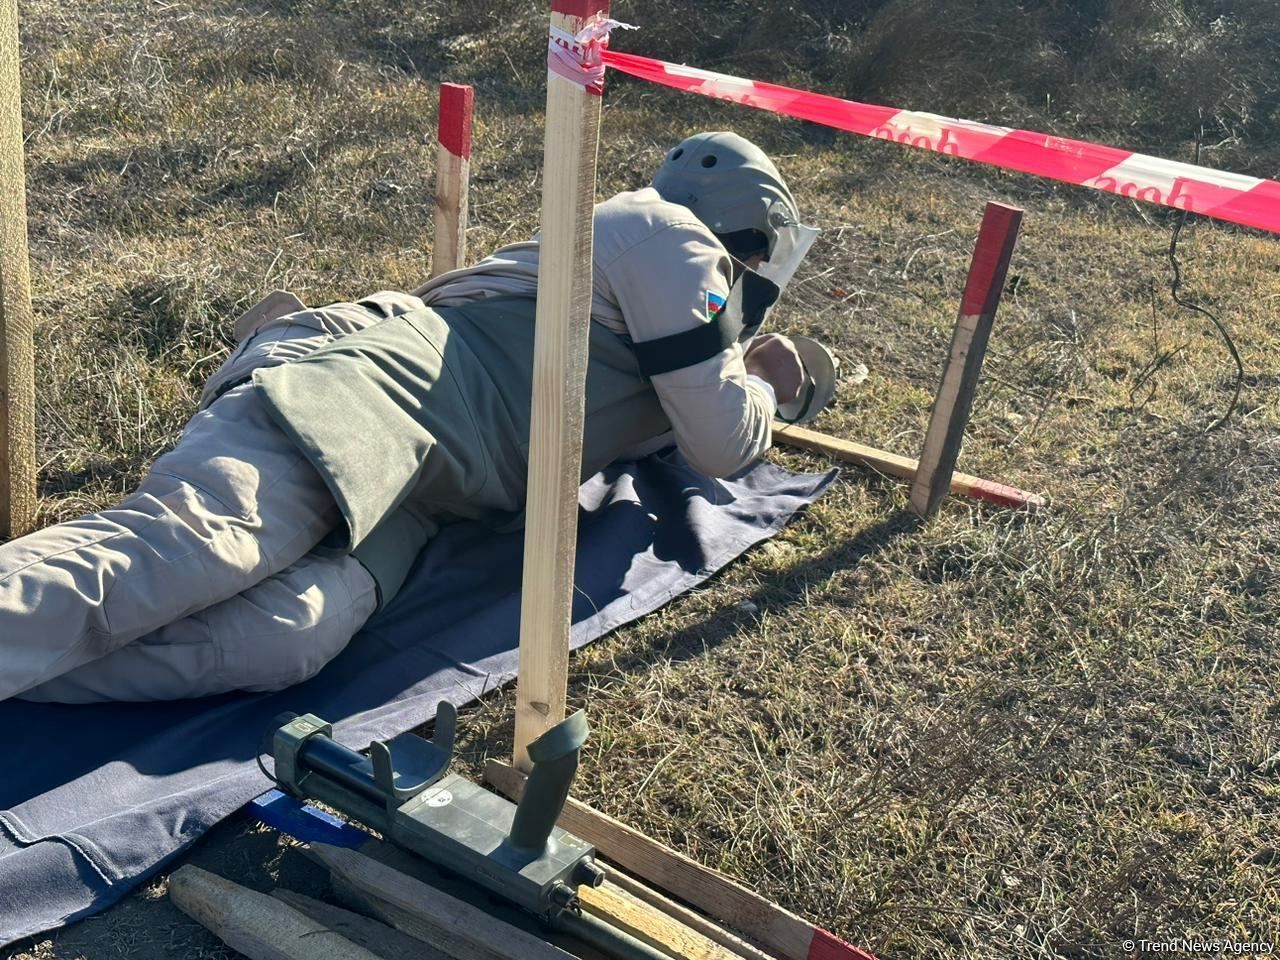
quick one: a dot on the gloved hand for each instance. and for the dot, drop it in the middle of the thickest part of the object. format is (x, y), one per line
(774, 358)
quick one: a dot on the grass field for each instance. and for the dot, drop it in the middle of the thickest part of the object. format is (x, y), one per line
(990, 736)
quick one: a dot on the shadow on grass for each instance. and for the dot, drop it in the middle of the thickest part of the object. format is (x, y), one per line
(60, 483)
(485, 739)
(779, 596)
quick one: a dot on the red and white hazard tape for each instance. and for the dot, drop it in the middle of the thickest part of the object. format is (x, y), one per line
(1214, 193)
(578, 56)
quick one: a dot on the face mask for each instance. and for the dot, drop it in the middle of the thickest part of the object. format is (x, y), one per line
(793, 243)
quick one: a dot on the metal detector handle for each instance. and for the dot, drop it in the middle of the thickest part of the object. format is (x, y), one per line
(555, 762)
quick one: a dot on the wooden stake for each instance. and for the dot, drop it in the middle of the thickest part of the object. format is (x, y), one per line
(964, 365)
(902, 467)
(767, 924)
(559, 378)
(17, 351)
(445, 922)
(453, 178)
(411, 865)
(255, 924)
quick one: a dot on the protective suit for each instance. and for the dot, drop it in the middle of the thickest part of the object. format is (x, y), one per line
(297, 498)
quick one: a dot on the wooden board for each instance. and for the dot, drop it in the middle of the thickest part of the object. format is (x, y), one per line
(416, 867)
(650, 925)
(316, 827)
(447, 923)
(951, 409)
(387, 942)
(904, 468)
(559, 377)
(255, 924)
(690, 918)
(765, 923)
(610, 903)
(453, 178)
(17, 351)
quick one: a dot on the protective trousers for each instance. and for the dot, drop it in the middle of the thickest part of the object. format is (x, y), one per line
(232, 506)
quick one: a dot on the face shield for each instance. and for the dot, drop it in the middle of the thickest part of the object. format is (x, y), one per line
(793, 241)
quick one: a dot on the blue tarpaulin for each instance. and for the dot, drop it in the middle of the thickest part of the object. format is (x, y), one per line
(96, 798)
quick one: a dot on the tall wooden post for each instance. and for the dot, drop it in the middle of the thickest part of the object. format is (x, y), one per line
(950, 415)
(559, 383)
(453, 177)
(17, 353)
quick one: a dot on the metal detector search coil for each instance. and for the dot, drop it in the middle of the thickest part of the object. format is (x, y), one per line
(819, 386)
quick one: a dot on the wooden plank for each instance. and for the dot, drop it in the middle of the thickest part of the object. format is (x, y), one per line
(255, 924)
(453, 178)
(690, 918)
(17, 350)
(447, 923)
(559, 377)
(650, 925)
(893, 465)
(399, 859)
(951, 409)
(378, 938)
(410, 864)
(402, 921)
(773, 928)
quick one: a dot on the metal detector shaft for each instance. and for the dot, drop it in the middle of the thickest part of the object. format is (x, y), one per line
(601, 935)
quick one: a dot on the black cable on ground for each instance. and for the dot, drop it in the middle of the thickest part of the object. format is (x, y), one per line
(1222, 329)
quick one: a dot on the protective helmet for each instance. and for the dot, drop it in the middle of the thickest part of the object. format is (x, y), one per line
(733, 187)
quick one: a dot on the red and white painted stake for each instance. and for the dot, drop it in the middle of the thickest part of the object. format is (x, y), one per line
(987, 273)
(453, 175)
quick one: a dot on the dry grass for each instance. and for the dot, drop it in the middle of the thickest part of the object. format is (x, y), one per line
(991, 736)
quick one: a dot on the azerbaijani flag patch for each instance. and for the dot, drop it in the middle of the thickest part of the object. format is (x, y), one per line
(715, 303)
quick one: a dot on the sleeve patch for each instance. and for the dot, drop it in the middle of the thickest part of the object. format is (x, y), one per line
(715, 303)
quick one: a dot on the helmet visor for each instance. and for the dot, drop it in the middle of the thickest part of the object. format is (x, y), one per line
(794, 241)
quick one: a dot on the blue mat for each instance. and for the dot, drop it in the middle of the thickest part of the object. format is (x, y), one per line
(94, 799)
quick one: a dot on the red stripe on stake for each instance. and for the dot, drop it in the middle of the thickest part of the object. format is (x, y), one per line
(997, 493)
(991, 256)
(826, 946)
(454, 130)
(1233, 197)
(583, 9)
